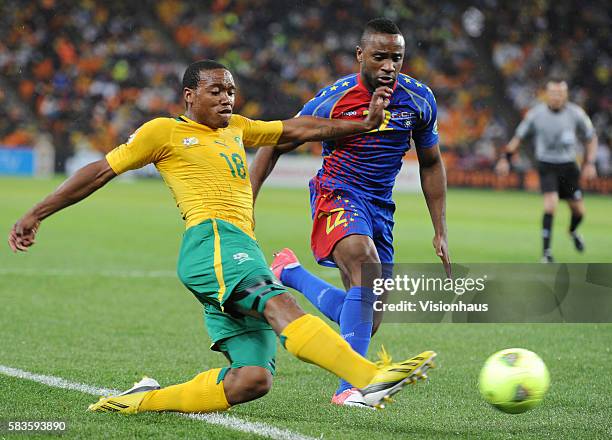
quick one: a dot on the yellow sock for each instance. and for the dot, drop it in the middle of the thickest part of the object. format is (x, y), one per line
(311, 340)
(200, 394)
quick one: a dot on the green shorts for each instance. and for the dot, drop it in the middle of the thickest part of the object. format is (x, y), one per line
(227, 272)
(252, 349)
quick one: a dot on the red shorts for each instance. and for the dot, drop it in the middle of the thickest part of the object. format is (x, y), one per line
(336, 215)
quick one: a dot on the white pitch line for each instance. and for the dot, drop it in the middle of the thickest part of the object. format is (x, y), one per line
(252, 427)
(56, 382)
(221, 419)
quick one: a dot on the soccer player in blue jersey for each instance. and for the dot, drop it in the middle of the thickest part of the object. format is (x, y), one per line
(351, 195)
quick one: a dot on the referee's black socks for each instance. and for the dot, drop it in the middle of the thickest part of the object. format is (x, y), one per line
(578, 241)
(576, 220)
(547, 221)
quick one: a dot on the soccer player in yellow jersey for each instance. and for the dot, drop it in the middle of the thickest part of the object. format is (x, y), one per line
(201, 157)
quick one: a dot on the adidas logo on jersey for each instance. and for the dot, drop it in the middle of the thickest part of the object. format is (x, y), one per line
(190, 141)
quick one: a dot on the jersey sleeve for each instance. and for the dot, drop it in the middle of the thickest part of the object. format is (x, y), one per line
(584, 124)
(308, 109)
(426, 135)
(146, 145)
(525, 128)
(259, 133)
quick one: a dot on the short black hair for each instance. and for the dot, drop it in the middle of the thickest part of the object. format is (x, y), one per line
(556, 78)
(191, 77)
(380, 26)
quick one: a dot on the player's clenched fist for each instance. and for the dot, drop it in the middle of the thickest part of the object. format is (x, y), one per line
(22, 235)
(378, 103)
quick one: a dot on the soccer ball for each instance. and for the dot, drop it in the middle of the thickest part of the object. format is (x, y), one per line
(514, 380)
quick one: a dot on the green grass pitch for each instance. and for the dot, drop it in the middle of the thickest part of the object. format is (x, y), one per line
(77, 306)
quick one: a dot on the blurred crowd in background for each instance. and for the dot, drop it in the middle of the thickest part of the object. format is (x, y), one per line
(84, 74)
(571, 39)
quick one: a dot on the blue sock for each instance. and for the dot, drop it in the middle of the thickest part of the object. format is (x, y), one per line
(356, 323)
(325, 297)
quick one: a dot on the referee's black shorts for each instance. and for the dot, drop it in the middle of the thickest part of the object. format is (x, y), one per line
(562, 178)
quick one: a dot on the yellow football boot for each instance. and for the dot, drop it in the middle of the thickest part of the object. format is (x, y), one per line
(128, 401)
(392, 377)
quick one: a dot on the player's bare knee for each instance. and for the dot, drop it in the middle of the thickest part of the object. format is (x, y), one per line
(258, 382)
(351, 253)
(249, 383)
(550, 203)
(364, 254)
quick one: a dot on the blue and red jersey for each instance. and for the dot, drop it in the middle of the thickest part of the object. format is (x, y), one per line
(369, 163)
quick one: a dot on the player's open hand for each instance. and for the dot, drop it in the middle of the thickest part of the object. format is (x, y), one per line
(23, 233)
(440, 244)
(376, 113)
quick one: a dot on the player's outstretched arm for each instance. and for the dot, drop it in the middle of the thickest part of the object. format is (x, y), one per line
(433, 182)
(80, 185)
(309, 128)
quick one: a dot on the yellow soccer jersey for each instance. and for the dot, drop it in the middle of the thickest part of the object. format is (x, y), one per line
(204, 168)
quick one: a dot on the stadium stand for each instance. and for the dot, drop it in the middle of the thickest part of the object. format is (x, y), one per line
(566, 38)
(89, 72)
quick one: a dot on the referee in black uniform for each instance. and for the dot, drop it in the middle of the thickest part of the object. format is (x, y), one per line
(557, 125)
